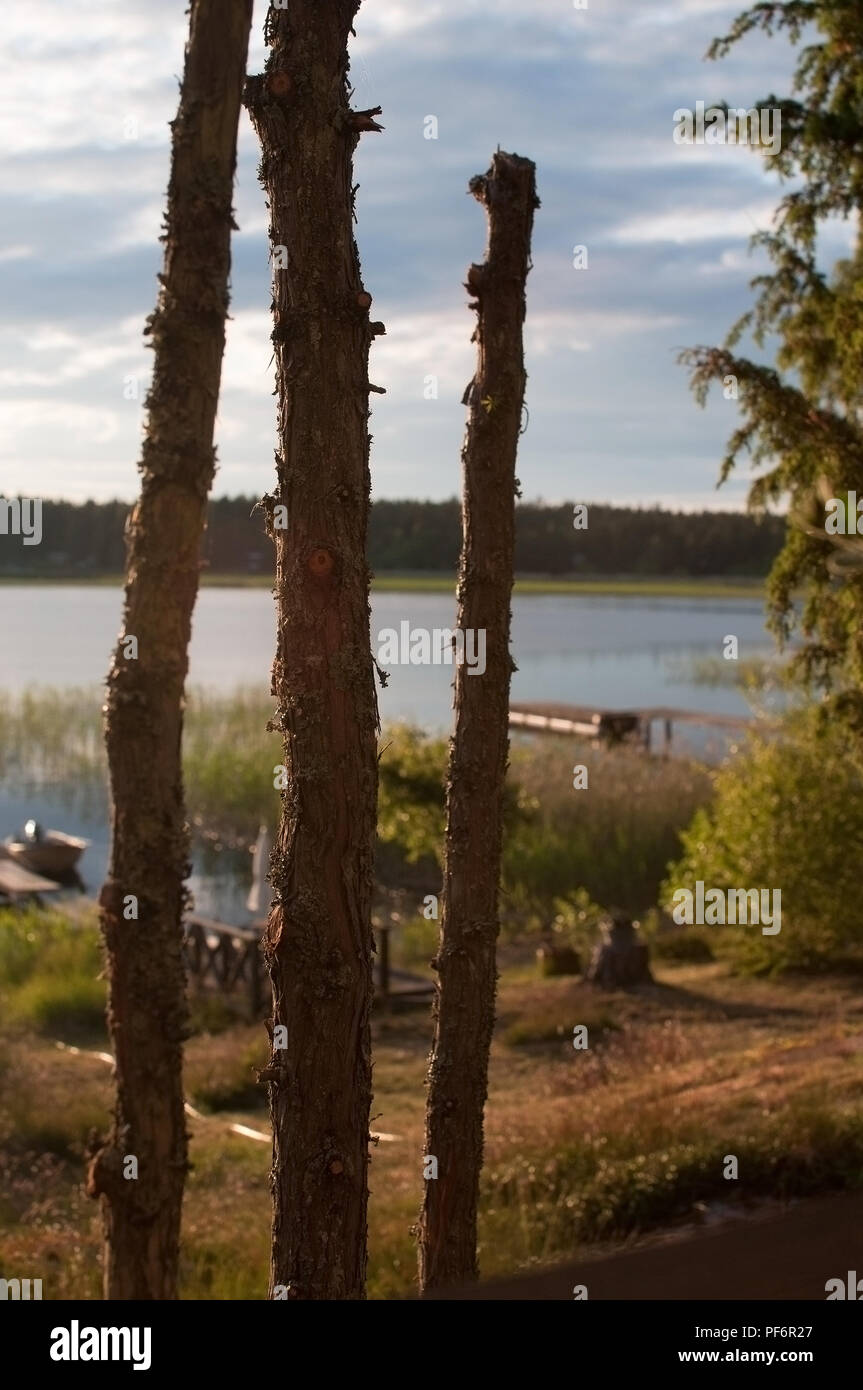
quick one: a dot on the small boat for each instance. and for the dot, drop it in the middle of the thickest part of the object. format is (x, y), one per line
(49, 852)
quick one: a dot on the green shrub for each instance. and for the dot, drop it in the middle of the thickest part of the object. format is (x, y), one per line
(411, 796)
(576, 923)
(70, 1004)
(787, 815)
(49, 972)
(21, 942)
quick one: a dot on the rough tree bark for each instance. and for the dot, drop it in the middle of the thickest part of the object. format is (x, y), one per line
(143, 898)
(464, 1013)
(318, 941)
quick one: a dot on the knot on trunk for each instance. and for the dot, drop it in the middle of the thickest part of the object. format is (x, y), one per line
(105, 1173)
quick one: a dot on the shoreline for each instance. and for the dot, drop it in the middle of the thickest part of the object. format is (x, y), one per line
(595, 586)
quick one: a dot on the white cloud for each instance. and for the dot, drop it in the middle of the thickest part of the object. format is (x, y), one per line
(688, 224)
(728, 263)
(583, 92)
(32, 420)
(246, 366)
(74, 80)
(551, 332)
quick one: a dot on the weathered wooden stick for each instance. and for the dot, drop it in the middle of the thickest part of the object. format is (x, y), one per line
(458, 1075)
(319, 941)
(143, 898)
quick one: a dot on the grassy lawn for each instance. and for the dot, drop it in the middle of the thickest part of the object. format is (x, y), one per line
(720, 588)
(582, 1148)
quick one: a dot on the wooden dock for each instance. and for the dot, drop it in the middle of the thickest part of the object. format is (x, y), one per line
(18, 883)
(617, 726)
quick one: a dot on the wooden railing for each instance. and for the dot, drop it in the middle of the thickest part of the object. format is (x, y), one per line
(228, 960)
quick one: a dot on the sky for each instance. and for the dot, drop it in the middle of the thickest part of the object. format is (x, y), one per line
(86, 95)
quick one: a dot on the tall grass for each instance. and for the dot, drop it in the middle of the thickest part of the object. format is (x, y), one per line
(55, 737)
(229, 759)
(52, 736)
(606, 1187)
(752, 674)
(613, 840)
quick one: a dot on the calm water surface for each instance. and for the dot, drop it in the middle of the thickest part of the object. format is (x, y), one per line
(611, 652)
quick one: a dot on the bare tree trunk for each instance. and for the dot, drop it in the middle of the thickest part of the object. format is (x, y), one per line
(318, 941)
(458, 1074)
(141, 1169)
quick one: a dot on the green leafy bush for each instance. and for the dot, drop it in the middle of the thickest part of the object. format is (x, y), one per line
(787, 814)
(66, 1004)
(49, 972)
(576, 923)
(411, 796)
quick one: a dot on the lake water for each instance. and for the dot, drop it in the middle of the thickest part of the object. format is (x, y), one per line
(611, 652)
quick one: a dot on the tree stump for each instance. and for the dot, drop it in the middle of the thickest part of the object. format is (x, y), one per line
(620, 959)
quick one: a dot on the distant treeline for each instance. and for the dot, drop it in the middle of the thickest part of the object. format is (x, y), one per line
(87, 539)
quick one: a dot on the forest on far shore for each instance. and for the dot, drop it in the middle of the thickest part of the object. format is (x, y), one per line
(408, 536)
